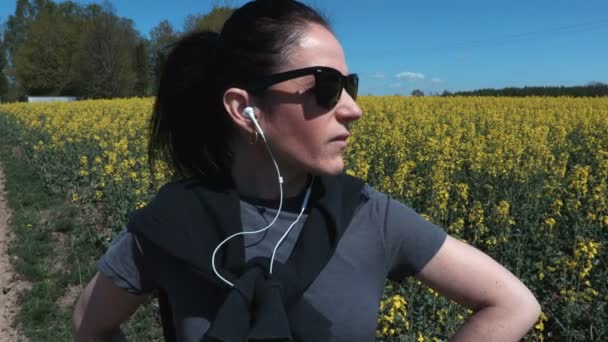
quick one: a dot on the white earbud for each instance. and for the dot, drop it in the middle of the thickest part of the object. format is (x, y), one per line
(249, 113)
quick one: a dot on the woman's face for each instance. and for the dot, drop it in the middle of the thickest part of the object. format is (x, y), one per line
(303, 135)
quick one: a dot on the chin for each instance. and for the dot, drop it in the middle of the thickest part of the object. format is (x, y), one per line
(330, 167)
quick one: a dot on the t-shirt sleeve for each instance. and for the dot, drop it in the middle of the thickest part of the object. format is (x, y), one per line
(411, 241)
(123, 264)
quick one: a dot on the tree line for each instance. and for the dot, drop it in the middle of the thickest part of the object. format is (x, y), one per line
(593, 89)
(86, 51)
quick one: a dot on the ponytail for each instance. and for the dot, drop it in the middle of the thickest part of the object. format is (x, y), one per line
(187, 121)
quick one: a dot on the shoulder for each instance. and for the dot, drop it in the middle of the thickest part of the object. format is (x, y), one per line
(399, 222)
(124, 264)
(375, 202)
(389, 208)
(174, 196)
(409, 239)
(175, 204)
(372, 194)
(178, 189)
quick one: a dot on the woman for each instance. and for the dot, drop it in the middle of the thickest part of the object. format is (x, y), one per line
(262, 236)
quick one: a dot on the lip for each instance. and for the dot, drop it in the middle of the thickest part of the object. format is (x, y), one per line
(341, 137)
(340, 140)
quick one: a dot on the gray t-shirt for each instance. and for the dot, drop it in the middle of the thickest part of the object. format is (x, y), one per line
(385, 239)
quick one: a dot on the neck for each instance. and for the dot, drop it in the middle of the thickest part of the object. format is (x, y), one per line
(255, 175)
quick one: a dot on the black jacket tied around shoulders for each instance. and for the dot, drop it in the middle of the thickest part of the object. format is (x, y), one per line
(188, 219)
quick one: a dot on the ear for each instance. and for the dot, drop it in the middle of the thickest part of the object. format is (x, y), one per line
(235, 100)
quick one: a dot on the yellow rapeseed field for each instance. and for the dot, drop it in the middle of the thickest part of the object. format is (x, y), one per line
(523, 179)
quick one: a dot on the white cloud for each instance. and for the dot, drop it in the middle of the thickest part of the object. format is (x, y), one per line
(408, 75)
(377, 75)
(436, 80)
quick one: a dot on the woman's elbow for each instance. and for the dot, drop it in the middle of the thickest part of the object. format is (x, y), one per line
(101, 309)
(79, 330)
(77, 318)
(83, 333)
(524, 307)
(532, 308)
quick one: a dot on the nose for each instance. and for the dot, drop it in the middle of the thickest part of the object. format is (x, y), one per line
(347, 109)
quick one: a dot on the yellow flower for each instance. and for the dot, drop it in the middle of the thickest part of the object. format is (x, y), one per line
(549, 223)
(503, 208)
(540, 326)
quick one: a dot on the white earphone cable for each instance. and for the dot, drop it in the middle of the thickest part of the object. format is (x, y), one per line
(280, 179)
(306, 197)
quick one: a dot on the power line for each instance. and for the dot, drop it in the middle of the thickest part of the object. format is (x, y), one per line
(575, 28)
(500, 39)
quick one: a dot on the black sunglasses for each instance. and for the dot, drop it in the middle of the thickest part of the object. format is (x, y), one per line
(329, 83)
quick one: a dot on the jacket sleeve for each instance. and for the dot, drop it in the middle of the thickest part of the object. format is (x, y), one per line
(123, 264)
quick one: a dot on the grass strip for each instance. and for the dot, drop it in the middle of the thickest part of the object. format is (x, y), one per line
(56, 248)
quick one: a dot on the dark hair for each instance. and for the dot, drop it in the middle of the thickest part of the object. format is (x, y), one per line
(189, 128)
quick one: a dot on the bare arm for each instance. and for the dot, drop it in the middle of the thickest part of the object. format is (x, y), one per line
(505, 309)
(101, 309)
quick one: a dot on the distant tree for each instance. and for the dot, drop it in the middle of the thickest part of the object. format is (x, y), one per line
(44, 62)
(16, 26)
(37, 6)
(107, 58)
(446, 93)
(14, 34)
(162, 36)
(142, 84)
(92, 11)
(417, 92)
(212, 21)
(4, 86)
(591, 89)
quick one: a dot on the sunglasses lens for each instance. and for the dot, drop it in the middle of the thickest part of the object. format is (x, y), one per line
(352, 86)
(328, 88)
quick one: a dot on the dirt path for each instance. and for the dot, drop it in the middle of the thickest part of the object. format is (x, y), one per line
(10, 284)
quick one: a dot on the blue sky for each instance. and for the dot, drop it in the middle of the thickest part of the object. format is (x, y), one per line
(397, 46)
